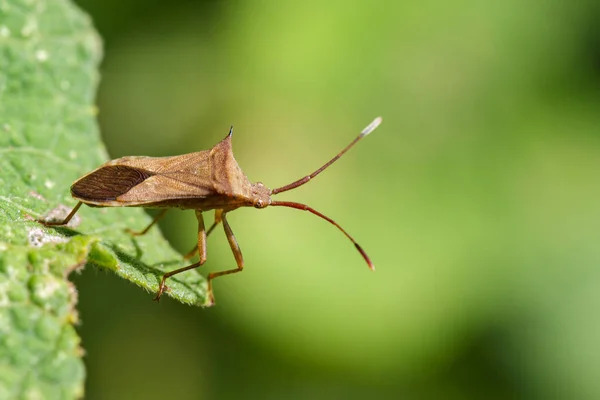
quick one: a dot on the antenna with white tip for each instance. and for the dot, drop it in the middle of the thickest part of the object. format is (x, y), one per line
(368, 129)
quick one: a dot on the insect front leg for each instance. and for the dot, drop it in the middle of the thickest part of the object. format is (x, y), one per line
(237, 253)
(64, 221)
(201, 250)
(216, 222)
(154, 221)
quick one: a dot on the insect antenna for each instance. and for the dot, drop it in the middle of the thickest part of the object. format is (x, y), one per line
(304, 207)
(299, 206)
(368, 129)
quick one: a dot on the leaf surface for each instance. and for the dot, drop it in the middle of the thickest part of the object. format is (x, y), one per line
(49, 57)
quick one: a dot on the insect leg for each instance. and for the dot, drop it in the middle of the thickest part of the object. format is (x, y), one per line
(237, 253)
(64, 221)
(216, 222)
(201, 249)
(154, 221)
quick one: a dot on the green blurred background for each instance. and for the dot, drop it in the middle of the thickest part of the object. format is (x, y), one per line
(477, 199)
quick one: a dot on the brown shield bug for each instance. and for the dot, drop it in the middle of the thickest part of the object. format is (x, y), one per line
(200, 181)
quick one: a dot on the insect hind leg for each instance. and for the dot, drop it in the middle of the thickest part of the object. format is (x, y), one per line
(202, 251)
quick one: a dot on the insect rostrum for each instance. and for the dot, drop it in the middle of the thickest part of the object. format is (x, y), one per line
(201, 181)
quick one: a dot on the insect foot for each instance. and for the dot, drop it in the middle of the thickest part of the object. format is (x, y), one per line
(210, 298)
(54, 217)
(161, 289)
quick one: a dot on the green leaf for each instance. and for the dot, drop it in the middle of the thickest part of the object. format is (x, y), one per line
(49, 56)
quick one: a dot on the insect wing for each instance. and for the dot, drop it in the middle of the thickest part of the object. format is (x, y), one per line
(145, 180)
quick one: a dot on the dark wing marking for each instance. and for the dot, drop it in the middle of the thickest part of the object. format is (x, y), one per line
(108, 182)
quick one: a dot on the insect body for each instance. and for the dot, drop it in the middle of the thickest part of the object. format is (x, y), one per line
(202, 181)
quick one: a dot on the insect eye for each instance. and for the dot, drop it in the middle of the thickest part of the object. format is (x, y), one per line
(259, 204)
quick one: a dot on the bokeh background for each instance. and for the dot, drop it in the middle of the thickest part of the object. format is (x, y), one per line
(477, 199)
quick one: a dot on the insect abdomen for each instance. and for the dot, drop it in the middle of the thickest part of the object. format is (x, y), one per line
(108, 183)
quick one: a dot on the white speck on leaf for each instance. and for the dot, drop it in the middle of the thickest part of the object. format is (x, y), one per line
(49, 184)
(42, 55)
(46, 290)
(4, 31)
(37, 237)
